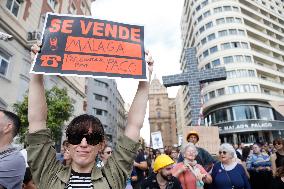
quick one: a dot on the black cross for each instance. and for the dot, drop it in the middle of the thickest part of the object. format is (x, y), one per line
(193, 77)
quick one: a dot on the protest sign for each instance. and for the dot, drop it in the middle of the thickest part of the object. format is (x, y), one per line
(157, 141)
(77, 45)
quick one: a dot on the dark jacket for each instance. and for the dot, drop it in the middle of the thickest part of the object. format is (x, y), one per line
(151, 183)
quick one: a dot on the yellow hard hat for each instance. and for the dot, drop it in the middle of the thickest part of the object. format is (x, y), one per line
(162, 161)
(192, 133)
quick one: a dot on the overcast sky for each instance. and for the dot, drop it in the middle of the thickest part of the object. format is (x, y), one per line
(161, 21)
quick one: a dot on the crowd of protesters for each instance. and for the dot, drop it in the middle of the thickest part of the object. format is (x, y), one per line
(86, 161)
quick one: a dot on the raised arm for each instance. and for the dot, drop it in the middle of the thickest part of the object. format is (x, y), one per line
(138, 107)
(37, 107)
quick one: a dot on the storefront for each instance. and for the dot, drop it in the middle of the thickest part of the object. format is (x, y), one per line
(246, 121)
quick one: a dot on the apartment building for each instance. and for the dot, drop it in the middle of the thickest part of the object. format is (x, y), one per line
(106, 103)
(247, 38)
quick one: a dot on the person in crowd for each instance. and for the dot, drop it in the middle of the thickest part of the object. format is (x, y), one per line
(150, 161)
(105, 154)
(12, 162)
(259, 167)
(238, 151)
(28, 180)
(174, 154)
(157, 153)
(278, 180)
(85, 135)
(245, 154)
(191, 174)
(271, 148)
(141, 166)
(64, 147)
(277, 158)
(228, 174)
(203, 157)
(162, 178)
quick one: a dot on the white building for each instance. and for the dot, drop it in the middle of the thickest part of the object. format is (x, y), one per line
(247, 37)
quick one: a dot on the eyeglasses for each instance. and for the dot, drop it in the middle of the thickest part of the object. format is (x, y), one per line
(91, 138)
(108, 152)
(222, 152)
(277, 143)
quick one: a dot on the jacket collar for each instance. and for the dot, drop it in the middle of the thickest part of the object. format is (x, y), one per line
(65, 173)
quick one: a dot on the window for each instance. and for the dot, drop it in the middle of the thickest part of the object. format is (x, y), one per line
(238, 20)
(209, 25)
(204, 3)
(212, 94)
(239, 58)
(245, 45)
(4, 63)
(234, 89)
(220, 21)
(198, 8)
(199, 18)
(211, 37)
(73, 9)
(221, 116)
(228, 59)
(230, 20)
(243, 112)
(52, 3)
(236, 9)
(245, 88)
(217, 9)
(225, 46)
(265, 113)
(207, 13)
(203, 41)
(227, 8)
(221, 91)
(207, 66)
(99, 112)
(236, 44)
(13, 6)
(205, 53)
(251, 73)
(213, 49)
(216, 62)
(248, 59)
(231, 74)
(223, 33)
(233, 32)
(241, 32)
(253, 88)
(202, 29)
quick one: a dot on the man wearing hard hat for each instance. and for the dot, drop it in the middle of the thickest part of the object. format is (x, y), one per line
(162, 177)
(203, 157)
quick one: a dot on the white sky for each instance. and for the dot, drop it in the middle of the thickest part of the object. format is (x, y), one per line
(161, 21)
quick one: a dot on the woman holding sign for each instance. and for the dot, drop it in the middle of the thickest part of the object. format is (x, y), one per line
(85, 135)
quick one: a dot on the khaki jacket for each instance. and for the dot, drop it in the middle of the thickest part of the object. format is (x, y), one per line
(49, 173)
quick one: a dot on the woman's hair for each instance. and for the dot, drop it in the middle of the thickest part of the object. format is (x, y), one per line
(245, 153)
(280, 171)
(189, 145)
(228, 148)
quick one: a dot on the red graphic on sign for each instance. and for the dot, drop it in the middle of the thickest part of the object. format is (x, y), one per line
(53, 43)
(50, 60)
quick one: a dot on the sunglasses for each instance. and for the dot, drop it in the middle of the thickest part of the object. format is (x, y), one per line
(91, 138)
(108, 152)
(222, 152)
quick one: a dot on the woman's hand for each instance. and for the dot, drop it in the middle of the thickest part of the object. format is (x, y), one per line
(35, 49)
(150, 62)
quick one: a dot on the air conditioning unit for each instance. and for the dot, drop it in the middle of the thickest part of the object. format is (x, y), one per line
(34, 35)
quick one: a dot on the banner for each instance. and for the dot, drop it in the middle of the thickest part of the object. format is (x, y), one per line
(157, 141)
(77, 45)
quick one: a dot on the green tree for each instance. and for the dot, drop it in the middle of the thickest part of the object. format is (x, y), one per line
(60, 109)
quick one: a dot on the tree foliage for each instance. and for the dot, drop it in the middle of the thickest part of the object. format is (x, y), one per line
(60, 109)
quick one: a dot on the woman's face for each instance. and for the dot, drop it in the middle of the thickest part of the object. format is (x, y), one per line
(190, 154)
(224, 156)
(278, 145)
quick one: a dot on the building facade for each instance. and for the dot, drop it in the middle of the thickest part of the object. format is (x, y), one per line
(105, 102)
(162, 115)
(24, 20)
(247, 38)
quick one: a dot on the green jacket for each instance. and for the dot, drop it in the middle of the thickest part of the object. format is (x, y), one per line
(49, 173)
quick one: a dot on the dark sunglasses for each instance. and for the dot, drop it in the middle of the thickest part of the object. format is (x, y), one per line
(91, 138)
(222, 152)
(108, 152)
